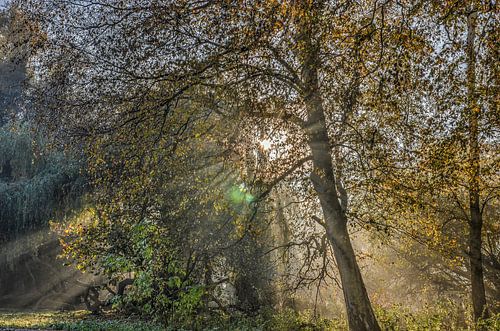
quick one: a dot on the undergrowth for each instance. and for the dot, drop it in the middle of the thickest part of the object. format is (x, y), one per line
(439, 317)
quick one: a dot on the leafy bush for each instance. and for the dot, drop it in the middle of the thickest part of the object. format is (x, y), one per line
(446, 315)
(161, 286)
(108, 325)
(492, 323)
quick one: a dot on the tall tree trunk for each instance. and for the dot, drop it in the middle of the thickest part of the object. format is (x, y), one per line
(359, 310)
(358, 307)
(476, 219)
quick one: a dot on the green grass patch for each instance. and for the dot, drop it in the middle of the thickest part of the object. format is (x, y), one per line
(73, 321)
(38, 320)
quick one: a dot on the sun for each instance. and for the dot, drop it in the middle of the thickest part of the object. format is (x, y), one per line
(266, 144)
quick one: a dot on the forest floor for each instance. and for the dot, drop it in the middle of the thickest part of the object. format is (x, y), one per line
(80, 320)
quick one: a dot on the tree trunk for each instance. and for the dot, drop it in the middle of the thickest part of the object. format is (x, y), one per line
(476, 219)
(358, 307)
(359, 310)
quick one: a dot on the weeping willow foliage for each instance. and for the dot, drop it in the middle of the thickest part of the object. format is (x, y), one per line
(37, 183)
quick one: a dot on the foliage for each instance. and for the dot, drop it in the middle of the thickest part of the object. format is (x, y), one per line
(174, 227)
(444, 316)
(267, 66)
(111, 325)
(12, 72)
(441, 316)
(491, 323)
(193, 115)
(422, 197)
(161, 285)
(36, 184)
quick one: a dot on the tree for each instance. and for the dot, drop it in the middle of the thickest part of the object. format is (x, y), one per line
(302, 73)
(475, 121)
(38, 182)
(446, 185)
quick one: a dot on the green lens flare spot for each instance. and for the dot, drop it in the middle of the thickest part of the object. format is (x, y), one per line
(239, 194)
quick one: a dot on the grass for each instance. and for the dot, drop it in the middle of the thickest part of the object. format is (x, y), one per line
(38, 320)
(438, 318)
(73, 321)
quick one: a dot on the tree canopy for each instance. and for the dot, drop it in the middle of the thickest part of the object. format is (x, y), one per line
(196, 118)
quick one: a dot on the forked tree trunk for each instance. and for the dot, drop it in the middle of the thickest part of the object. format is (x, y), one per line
(476, 218)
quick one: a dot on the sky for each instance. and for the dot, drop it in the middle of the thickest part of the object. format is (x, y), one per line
(3, 3)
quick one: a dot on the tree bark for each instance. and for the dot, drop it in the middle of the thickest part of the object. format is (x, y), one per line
(476, 219)
(359, 310)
